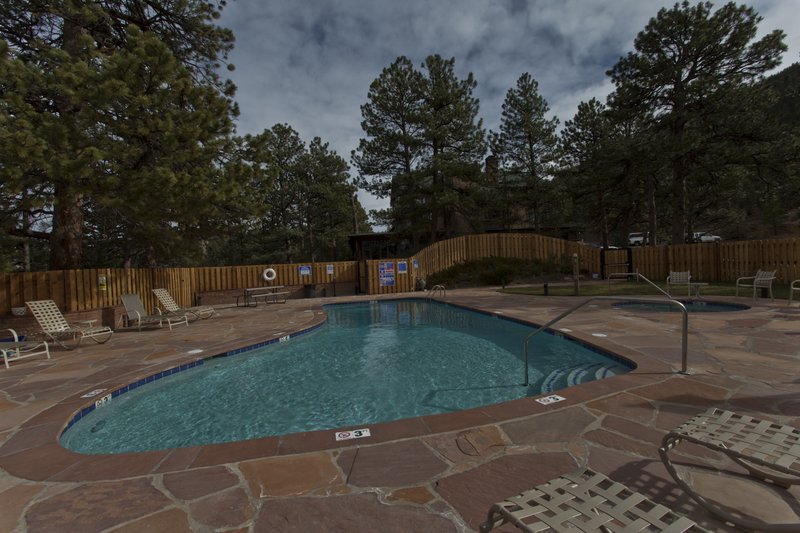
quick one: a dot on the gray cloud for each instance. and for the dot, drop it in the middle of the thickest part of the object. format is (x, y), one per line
(309, 64)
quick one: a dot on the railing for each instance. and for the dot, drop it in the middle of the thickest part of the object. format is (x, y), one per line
(639, 276)
(679, 305)
(437, 290)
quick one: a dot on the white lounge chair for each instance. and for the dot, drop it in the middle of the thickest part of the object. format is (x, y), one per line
(679, 278)
(768, 451)
(762, 280)
(136, 315)
(794, 286)
(169, 305)
(55, 327)
(584, 501)
(16, 349)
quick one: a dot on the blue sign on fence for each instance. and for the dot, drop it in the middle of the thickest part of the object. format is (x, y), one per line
(402, 267)
(304, 270)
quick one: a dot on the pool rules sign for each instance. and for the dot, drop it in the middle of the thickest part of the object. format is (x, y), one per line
(386, 273)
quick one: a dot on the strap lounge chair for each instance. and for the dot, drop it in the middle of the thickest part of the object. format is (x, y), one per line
(55, 327)
(169, 305)
(585, 501)
(16, 349)
(136, 315)
(679, 278)
(762, 280)
(768, 451)
(793, 287)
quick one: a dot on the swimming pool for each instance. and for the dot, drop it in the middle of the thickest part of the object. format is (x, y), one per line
(693, 306)
(370, 363)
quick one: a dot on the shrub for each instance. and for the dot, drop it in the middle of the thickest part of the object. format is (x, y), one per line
(493, 271)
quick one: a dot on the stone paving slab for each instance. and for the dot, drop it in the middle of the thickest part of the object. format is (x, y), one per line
(435, 473)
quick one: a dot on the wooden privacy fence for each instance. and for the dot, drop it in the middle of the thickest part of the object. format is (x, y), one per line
(81, 290)
(445, 254)
(710, 262)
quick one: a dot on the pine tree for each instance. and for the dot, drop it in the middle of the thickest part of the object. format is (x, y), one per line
(423, 148)
(525, 146)
(326, 204)
(65, 54)
(391, 122)
(450, 176)
(688, 59)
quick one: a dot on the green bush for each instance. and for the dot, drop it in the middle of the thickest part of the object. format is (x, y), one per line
(493, 271)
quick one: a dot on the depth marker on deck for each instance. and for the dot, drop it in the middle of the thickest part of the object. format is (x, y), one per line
(547, 400)
(353, 434)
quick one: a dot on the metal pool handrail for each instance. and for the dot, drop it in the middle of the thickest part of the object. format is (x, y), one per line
(437, 290)
(679, 305)
(639, 276)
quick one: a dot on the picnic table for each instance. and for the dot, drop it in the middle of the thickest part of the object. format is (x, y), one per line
(271, 294)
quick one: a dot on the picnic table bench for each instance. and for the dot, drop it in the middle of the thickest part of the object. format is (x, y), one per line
(252, 295)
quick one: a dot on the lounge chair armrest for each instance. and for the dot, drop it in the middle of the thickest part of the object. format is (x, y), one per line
(744, 278)
(13, 334)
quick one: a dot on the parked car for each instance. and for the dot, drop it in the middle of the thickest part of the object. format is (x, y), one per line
(704, 236)
(637, 239)
(595, 245)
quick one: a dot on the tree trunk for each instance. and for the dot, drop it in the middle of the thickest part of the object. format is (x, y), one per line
(679, 175)
(67, 235)
(652, 217)
(603, 221)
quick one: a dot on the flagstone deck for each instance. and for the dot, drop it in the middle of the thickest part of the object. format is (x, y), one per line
(437, 473)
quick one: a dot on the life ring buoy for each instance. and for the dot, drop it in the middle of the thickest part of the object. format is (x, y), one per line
(268, 274)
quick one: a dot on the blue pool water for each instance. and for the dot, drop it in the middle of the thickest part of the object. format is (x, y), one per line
(370, 363)
(693, 306)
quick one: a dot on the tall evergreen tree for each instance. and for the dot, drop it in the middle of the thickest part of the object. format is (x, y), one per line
(327, 208)
(454, 141)
(67, 50)
(584, 140)
(687, 59)
(391, 122)
(423, 147)
(526, 144)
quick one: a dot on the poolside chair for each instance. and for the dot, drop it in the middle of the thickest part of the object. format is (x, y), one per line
(55, 327)
(762, 280)
(16, 349)
(794, 286)
(768, 451)
(584, 501)
(135, 314)
(679, 278)
(169, 305)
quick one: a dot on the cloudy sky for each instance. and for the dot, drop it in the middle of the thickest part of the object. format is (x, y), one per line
(310, 63)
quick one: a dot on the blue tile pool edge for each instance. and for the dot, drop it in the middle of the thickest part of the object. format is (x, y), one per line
(98, 400)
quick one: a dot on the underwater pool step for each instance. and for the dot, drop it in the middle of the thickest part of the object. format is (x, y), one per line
(577, 374)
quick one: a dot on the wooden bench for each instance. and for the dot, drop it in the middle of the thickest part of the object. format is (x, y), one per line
(252, 295)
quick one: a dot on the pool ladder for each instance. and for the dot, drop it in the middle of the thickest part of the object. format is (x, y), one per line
(437, 290)
(675, 303)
